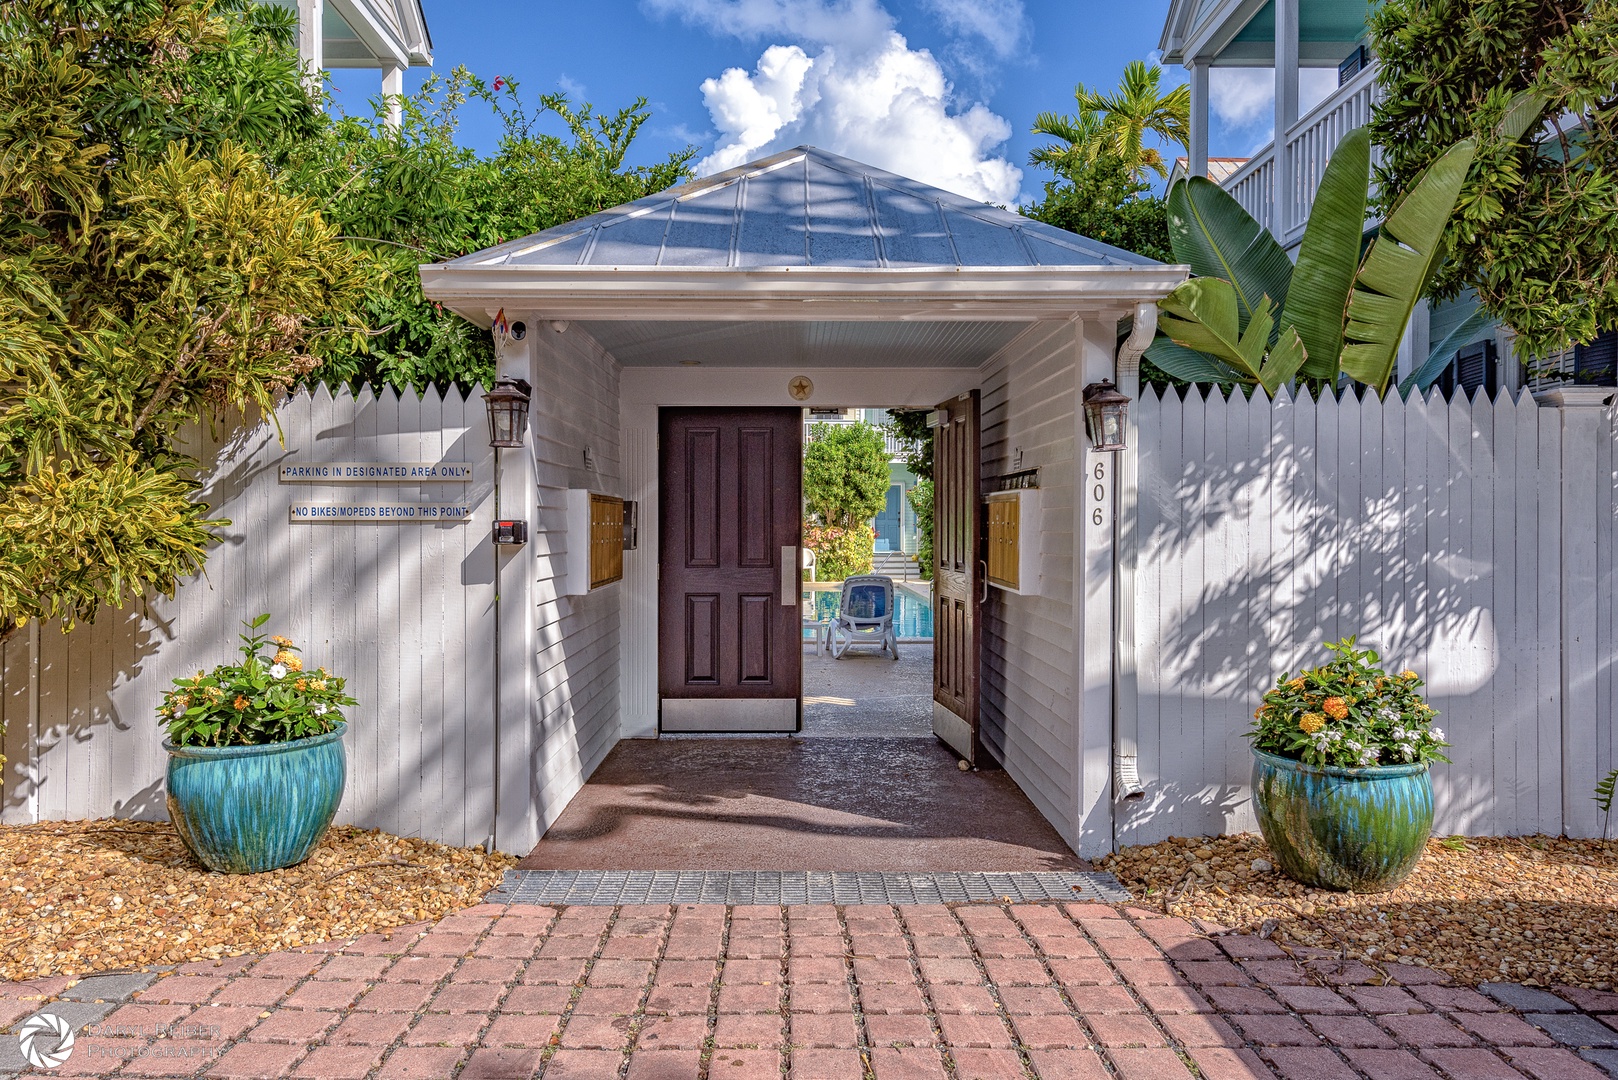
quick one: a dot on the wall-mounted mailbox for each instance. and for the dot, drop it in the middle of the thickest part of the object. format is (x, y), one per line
(1014, 541)
(510, 533)
(595, 541)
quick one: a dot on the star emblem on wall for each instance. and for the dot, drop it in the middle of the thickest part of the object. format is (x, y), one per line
(800, 388)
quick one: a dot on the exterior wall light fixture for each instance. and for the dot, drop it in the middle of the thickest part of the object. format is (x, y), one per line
(508, 411)
(1105, 411)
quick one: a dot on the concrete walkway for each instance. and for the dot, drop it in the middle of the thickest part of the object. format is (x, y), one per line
(1057, 992)
(865, 787)
(868, 695)
(797, 804)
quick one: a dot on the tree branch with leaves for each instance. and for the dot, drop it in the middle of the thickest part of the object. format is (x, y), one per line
(153, 273)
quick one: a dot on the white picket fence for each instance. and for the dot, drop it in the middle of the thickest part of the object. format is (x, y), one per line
(401, 609)
(1470, 540)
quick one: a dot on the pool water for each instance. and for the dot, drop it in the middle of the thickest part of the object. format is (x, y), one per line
(913, 615)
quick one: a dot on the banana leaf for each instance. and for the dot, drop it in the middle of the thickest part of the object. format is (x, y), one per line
(1524, 108)
(1330, 254)
(1189, 364)
(1444, 352)
(1397, 267)
(1210, 232)
(1203, 314)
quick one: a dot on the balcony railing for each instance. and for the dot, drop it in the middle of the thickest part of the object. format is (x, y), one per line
(1253, 185)
(1308, 145)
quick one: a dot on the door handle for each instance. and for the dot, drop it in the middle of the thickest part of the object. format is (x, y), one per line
(789, 576)
(983, 582)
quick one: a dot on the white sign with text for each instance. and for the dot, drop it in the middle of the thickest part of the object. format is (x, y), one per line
(376, 472)
(379, 513)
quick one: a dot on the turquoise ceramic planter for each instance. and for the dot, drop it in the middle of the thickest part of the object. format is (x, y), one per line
(1361, 830)
(247, 809)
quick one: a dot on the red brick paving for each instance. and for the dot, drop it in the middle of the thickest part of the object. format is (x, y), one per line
(988, 992)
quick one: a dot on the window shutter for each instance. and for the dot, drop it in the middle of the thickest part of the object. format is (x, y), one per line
(1596, 363)
(1472, 369)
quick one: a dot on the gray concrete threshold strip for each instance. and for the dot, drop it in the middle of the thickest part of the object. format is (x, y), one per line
(612, 887)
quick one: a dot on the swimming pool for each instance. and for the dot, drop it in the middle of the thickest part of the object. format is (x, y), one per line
(913, 615)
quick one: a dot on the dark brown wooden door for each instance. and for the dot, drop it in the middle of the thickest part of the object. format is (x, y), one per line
(730, 522)
(957, 574)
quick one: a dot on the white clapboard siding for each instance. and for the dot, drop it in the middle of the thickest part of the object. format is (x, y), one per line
(402, 611)
(1026, 682)
(576, 661)
(1470, 539)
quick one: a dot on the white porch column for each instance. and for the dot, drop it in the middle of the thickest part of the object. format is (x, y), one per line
(1094, 507)
(1198, 149)
(1286, 110)
(311, 45)
(393, 94)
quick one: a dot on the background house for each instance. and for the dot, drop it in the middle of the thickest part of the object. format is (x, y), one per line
(389, 35)
(1321, 48)
(896, 535)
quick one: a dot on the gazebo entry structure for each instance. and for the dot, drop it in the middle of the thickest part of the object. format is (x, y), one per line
(672, 344)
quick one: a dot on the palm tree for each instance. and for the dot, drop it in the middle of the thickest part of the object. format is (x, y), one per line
(1080, 146)
(1116, 124)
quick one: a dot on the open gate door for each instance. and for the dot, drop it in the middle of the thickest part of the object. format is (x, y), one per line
(957, 574)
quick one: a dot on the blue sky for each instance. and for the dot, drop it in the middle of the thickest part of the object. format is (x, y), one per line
(942, 90)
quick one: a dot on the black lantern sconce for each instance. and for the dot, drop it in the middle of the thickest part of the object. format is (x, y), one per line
(1105, 413)
(508, 411)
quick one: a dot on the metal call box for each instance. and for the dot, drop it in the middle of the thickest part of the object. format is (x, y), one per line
(509, 533)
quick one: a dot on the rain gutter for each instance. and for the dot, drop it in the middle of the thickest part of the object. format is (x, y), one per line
(877, 294)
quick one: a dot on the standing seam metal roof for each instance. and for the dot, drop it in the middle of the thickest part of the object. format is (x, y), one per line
(803, 207)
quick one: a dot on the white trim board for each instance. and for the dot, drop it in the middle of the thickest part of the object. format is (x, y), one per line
(936, 294)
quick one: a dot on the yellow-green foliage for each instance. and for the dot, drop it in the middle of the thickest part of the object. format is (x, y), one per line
(152, 273)
(840, 552)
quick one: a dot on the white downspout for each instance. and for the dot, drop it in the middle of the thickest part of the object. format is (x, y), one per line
(1126, 478)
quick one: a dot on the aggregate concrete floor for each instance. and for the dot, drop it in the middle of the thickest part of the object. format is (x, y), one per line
(866, 786)
(867, 695)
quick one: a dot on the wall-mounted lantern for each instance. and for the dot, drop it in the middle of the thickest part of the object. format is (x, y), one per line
(508, 411)
(1105, 412)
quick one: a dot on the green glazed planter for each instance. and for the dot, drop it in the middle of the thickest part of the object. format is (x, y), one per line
(248, 809)
(1359, 830)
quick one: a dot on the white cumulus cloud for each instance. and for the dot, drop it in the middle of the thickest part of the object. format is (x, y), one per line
(846, 22)
(1243, 97)
(1000, 24)
(845, 80)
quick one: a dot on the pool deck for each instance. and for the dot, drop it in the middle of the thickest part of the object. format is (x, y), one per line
(921, 590)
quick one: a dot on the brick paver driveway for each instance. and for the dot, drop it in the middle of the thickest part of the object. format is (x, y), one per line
(1060, 992)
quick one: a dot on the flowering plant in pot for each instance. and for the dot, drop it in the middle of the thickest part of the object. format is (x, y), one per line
(1340, 774)
(256, 762)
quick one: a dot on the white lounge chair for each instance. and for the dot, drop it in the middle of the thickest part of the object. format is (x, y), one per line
(865, 615)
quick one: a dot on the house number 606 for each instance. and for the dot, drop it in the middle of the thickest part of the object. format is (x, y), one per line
(1098, 492)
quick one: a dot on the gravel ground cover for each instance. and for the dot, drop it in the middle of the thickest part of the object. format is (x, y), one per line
(85, 896)
(1537, 910)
